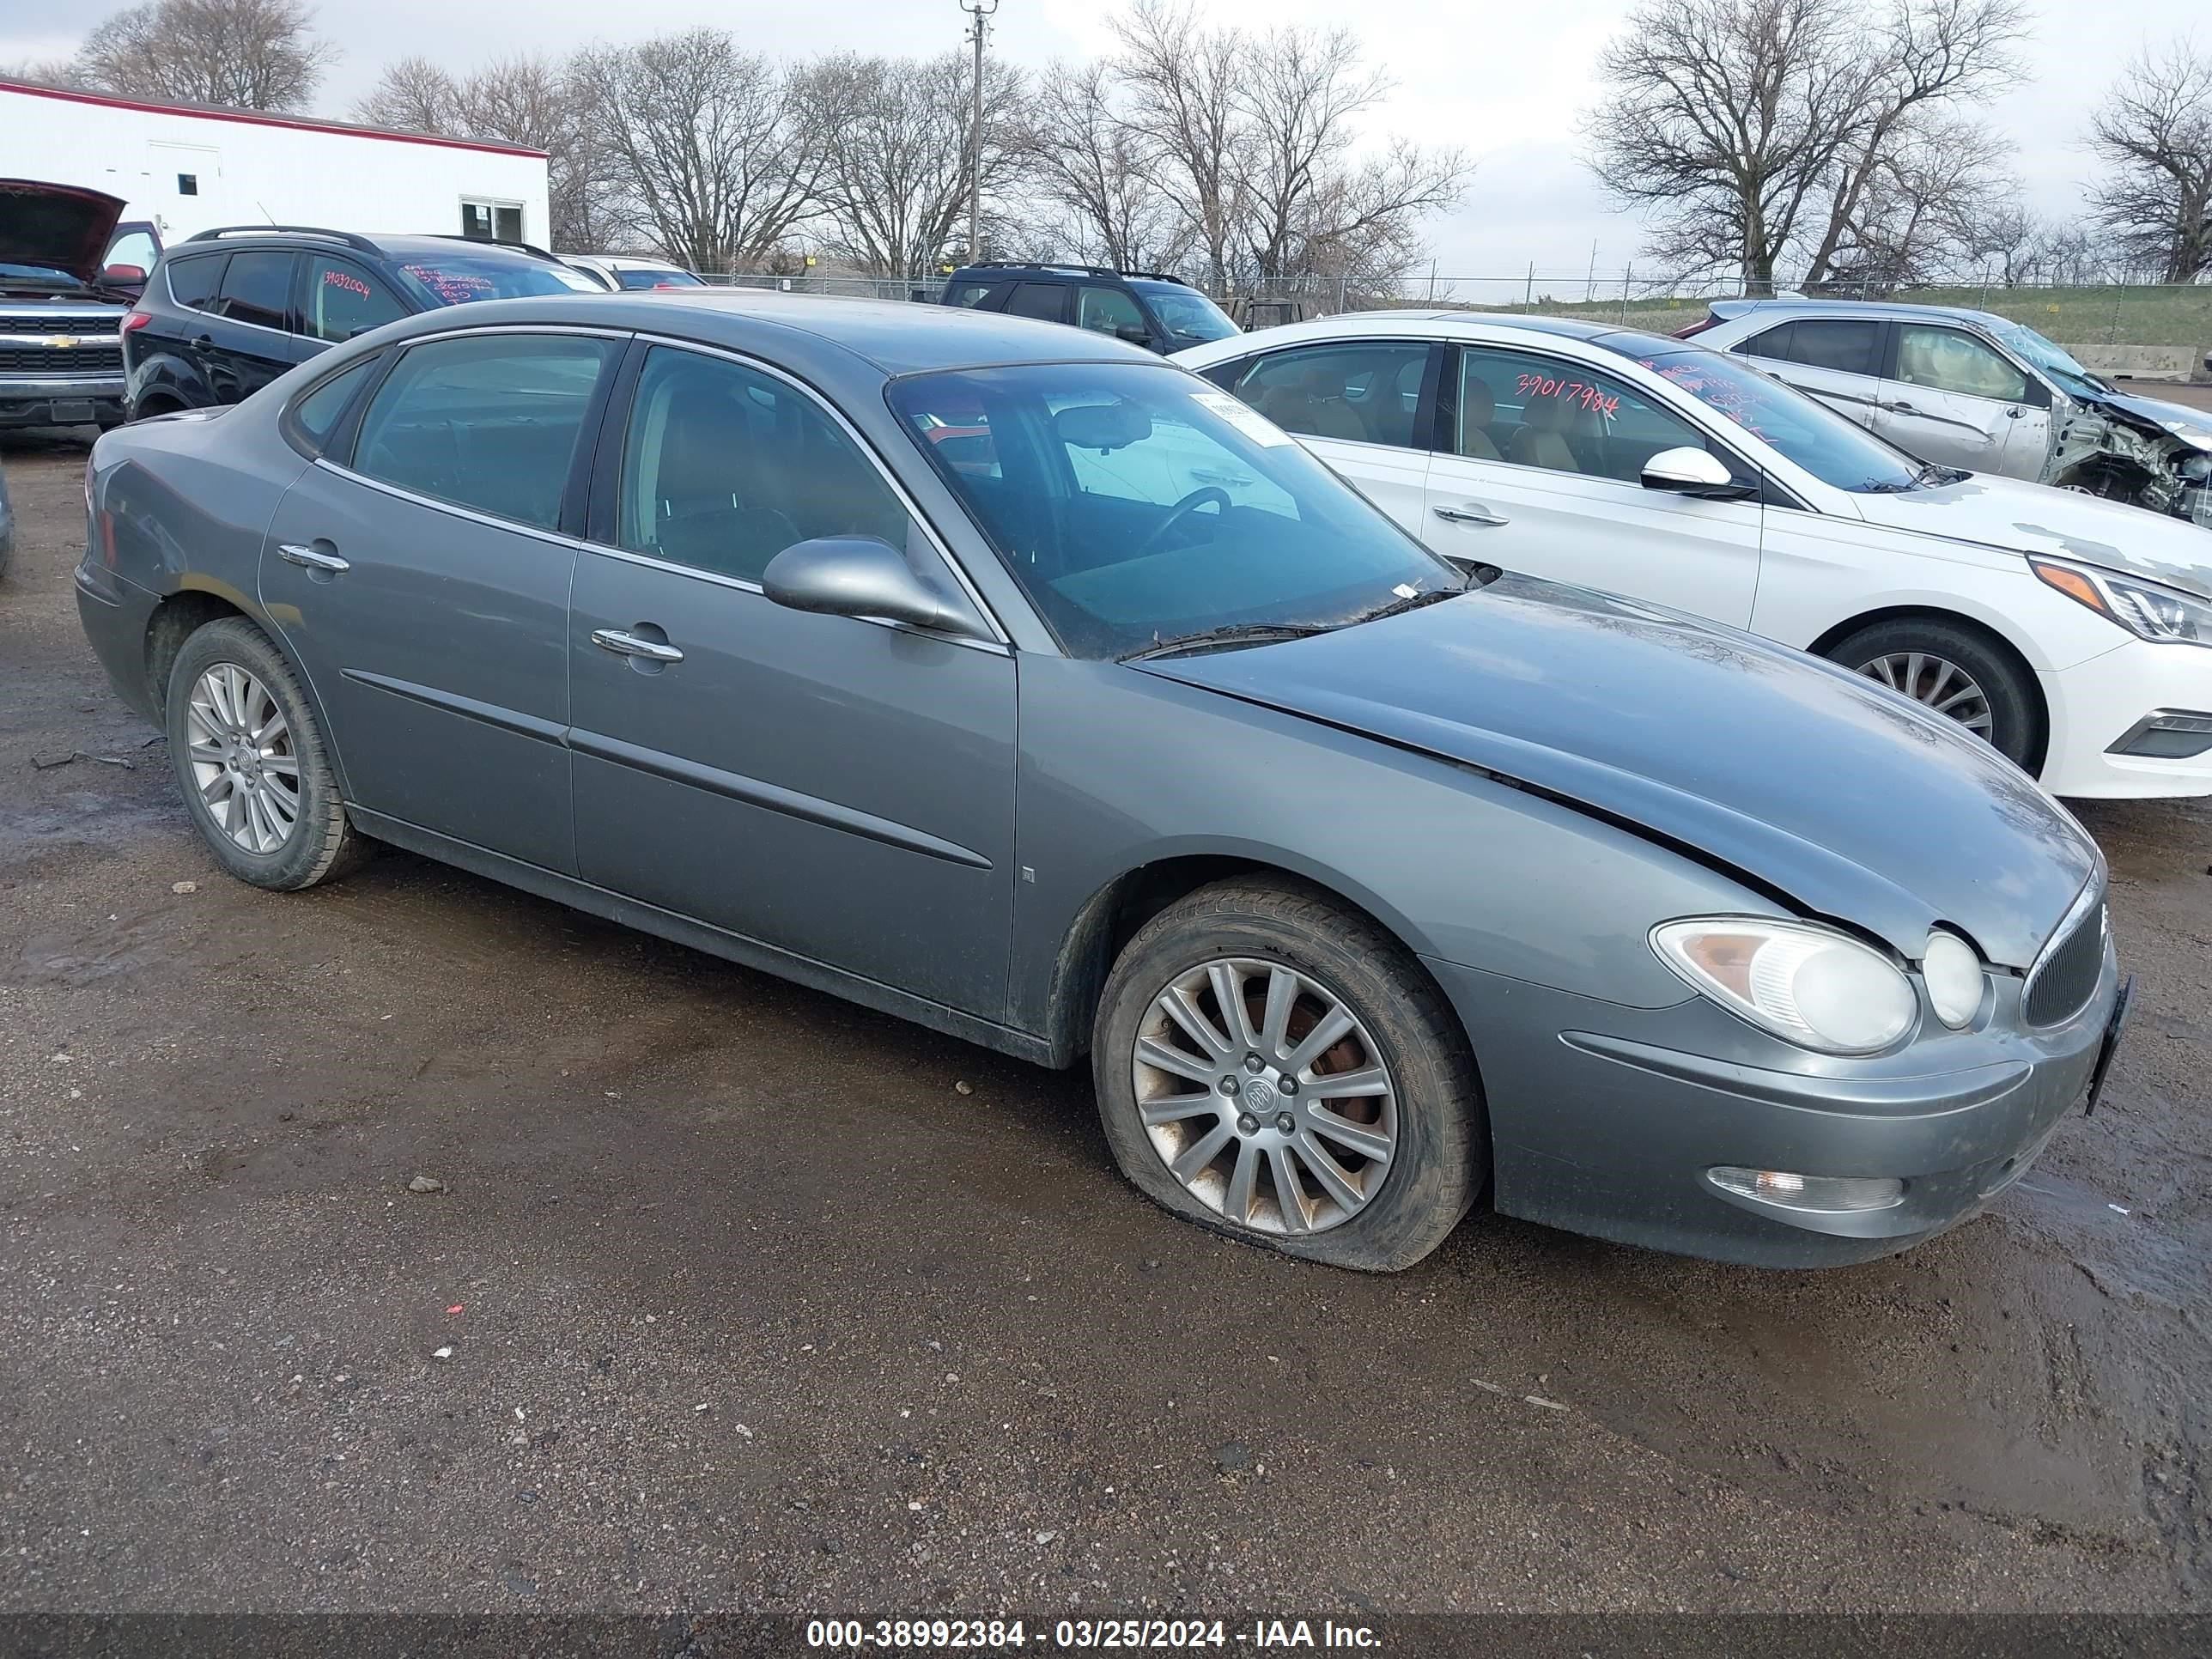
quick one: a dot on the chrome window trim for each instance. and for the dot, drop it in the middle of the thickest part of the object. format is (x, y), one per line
(455, 507)
(859, 439)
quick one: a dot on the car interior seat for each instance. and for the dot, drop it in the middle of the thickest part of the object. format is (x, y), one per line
(712, 502)
(1540, 439)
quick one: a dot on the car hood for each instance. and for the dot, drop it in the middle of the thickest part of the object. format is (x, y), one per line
(1844, 798)
(2165, 415)
(2026, 518)
(60, 226)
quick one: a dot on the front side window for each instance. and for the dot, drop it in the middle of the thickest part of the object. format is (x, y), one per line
(724, 467)
(1536, 411)
(634, 276)
(1108, 311)
(971, 295)
(135, 248)
(258, 289)
(1948, 360)
(343, 300)
(1134, 503)
(1837, 451)
(1047, 301)
(465, 275)
(1368, 392)
(489, 422)
(192, 282)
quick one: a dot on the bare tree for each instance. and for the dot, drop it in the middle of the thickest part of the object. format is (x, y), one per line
(895, 188)
(1096, 173)
(246, 54)
(1921, 60)
(2154, 134)
(1921, 209)
(52, 72)
(414, 94)
(2014, 240)
(721, 150)
(1302, 93)
(1184, 84)
(1721, 119)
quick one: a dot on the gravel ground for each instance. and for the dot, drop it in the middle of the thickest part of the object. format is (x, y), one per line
(733, 1297)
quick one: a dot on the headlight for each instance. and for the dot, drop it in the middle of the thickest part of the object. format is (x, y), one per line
(1954, 979)
(1808, 985)
(2143, 608)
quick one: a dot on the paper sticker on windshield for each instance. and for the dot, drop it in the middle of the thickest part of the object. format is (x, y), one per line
(1246, 419)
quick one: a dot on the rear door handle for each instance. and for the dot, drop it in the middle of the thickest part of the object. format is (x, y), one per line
(312, 558)
(1903, 409)
(1471, 513)
(630, 645)
(202, 343)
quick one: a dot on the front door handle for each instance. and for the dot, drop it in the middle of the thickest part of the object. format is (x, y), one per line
(1902, 409)
(630, 645)
(312, 558)
(1471, 513)
(202, 343)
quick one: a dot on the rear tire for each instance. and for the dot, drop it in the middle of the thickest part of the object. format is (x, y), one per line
(251, 762)
(1957, 671)
(1379, 1138)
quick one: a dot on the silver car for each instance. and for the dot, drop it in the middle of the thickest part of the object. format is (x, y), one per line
(1966, 388)
(1017, 682)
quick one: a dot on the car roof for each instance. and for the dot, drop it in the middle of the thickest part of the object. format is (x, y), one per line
(891, 336)
(626, 261)
(1427, 322)
(397, 245)
(1733, 309)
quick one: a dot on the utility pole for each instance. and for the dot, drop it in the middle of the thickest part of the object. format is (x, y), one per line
(979, 12)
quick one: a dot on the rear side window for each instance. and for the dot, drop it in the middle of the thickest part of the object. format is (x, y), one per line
(1846, 345)
(724, 467)
(490, 422)
(1047, 301)
(257, 289)
(318, 414)
(1367, 393)
(345, 299)
(193, 282)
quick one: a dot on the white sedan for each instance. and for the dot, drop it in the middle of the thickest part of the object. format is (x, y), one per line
(2074, 634)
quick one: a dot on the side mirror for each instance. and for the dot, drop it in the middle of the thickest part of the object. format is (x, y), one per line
(859, 576)
(124, 276)
(1134, 333)
(1689, 471)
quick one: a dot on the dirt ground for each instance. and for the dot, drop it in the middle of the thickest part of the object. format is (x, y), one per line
(735, 1298)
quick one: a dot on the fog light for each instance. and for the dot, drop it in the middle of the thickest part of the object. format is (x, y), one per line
(2167, 734)
(1819, 1194)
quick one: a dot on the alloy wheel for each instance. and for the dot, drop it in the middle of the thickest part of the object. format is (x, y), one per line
(1941, 684)
(1265, 1096)
(242, 760)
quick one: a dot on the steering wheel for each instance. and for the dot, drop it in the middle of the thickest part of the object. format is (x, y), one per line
(1182, 510)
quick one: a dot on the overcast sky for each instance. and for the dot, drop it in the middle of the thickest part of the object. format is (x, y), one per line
(1504, 81)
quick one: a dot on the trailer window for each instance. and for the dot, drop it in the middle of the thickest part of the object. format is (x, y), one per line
(492, 222)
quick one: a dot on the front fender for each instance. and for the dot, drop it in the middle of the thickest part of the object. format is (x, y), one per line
(1121, 770)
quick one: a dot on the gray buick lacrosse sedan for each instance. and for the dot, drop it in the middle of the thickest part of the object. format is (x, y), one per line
(1012, 680)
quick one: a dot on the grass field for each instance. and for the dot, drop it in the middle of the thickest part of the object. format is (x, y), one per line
(2073, 316)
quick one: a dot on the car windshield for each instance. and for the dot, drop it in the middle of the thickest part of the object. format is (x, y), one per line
(1136, 505)
(452, 279)
(1185, 313)
(42, 274)
(655, 276)
(1809, 433)
(2053, 360)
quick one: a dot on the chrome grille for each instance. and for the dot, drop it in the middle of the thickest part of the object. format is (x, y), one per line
(2065, 976)
(61, 359)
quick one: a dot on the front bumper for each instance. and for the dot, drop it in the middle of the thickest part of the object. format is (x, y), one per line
(62, 400)
(2096, 704)
(1605, 1119)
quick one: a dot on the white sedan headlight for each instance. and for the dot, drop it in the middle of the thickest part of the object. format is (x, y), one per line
(2144, 608)
(1808, 985)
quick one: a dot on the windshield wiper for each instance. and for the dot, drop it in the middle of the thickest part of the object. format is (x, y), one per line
(1231, 634)
(1413, 602)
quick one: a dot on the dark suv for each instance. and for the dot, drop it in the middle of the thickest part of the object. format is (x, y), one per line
(1142, 306)
(228, 310)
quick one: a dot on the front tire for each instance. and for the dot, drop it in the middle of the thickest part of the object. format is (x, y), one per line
(1275, 1067)
(1954, 671)
(251, 762)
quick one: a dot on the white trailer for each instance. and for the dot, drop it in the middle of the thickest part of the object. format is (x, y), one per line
(184, 167)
